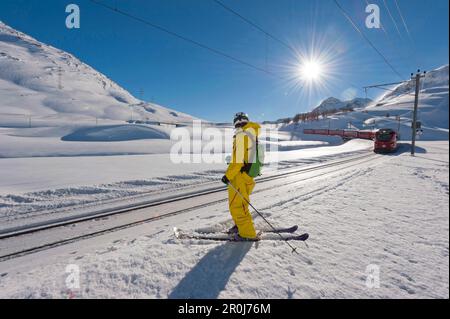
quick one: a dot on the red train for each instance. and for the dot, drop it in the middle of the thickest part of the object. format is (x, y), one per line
(345, 134)
(385, 141)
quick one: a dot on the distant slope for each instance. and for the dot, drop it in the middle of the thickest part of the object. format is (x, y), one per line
(333, 103)
(433, 81)
(433, 103)
(40, 80)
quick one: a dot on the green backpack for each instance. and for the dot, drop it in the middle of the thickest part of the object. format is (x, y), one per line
(256, 165)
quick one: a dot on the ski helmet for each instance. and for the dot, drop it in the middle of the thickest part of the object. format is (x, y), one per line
(240, 119)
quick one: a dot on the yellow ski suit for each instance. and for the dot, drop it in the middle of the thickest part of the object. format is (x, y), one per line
(244, 144)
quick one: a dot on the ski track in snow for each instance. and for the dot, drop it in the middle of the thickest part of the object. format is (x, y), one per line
(357, 217)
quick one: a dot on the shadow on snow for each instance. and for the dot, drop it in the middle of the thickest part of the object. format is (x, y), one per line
(211, 274)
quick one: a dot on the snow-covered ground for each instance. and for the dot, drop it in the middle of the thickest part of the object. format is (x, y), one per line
(390, 213)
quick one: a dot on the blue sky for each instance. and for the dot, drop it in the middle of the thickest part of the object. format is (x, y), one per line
(182, 76)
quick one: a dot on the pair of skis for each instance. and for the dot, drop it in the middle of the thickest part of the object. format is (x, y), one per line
(269, 234)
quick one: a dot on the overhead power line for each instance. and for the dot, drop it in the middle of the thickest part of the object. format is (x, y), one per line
(412, 58)
(401, 16)
(384, 84)
(184, 38)
(405, 25)
(392, 17)
(391, 90)
(346, 15)
(254, 25)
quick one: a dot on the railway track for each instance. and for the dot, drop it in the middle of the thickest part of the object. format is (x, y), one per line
(196, 196)
(138, 199)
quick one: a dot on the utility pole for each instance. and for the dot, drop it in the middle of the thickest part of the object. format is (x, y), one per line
(417, 78)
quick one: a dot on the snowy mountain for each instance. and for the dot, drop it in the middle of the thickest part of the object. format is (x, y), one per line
(39, 80)
(333, 103)
(433, 99)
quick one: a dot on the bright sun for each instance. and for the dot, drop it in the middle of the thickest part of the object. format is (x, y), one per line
(311, 71)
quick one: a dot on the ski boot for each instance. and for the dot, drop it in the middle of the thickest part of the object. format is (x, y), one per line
(233, 230)
(237, 237)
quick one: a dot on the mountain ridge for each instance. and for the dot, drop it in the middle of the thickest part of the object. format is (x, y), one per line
(333, 103)
(39, 79)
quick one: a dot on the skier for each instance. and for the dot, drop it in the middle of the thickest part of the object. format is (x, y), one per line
(244, 164)
(244, 150)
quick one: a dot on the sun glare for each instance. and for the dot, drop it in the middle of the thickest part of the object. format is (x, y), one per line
(311, 71)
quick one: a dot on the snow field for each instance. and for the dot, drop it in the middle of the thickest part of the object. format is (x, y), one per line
(355, 217)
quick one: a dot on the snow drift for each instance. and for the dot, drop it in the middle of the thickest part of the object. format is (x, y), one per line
(115, 133)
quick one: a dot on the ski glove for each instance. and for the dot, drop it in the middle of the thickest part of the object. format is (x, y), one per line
(225, 180)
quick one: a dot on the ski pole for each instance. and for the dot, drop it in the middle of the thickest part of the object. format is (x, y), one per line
(273, 228)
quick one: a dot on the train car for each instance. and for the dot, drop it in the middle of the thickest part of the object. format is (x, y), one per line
(385, 141)
(336, 132)
(321, 132)
(366, 135)
(350, 134)
(345, 134)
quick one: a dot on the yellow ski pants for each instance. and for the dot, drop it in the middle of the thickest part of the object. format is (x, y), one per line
(239, 207)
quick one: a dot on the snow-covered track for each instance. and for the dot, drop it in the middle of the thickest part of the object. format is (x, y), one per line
(25, 219)
(191, 201)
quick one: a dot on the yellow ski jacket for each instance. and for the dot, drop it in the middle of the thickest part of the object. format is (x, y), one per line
(244, 148)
